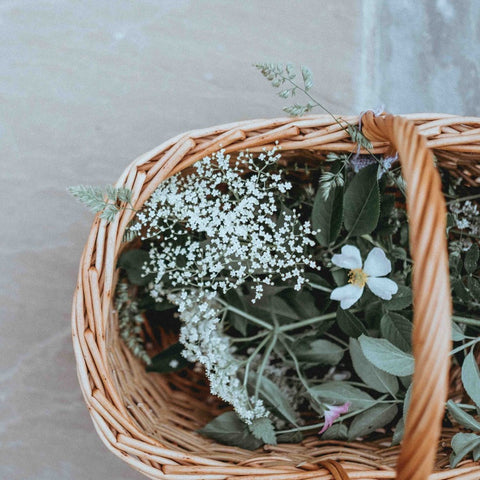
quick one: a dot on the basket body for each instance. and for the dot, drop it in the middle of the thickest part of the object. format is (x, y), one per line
(149, 420)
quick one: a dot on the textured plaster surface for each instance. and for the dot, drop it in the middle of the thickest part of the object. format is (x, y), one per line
(87, 86)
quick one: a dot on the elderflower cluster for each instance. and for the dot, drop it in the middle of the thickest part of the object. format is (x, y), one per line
(212, 231)
(222, 226)
(204, 342)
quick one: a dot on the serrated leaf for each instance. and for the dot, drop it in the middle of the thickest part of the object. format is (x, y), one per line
(471, 378)
(339, 392)
(462, 445)
(462, 417)
(230, 430)
(327, 215)
(371, 375)
(262, 428)
(398, 330)
(372, 419)
(471, 259)
(349, 323)
(401, 300)
(274, 397)
(132, 262)
(386, 356)
(318, 351)
(169, 360)
(362, 202)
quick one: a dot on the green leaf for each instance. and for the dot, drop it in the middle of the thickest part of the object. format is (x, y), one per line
(169, 360)
(338, 431)
(362, 202)
(302, 303)
(462, 417)
(374, 377)
(275, 305)
(274, 398)
(327, 215)
(132, 262)
(471, 378)
(349, 323)
(398, 330)
(317, 351)
(230, 430)
(399, 431)
(372, 419)
(474, 287)
(462, 445)
(460, 290)
(340, 392)
(291, 437)
(471, 259)
(457, 333)
(386, 356)
(262, 428)
(401, 300)
(238, 322)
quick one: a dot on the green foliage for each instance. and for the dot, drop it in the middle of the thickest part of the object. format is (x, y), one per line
(362, 202)
(317, 351)
(327, 215)
(373, 376)
(372, 419)
(169, 360)
(350, 324)
(262, 428)
(386, 356)
(462, 445)
(133, 261)
(471, 378)
(107, 201)
(339, 392)
(398, 330)
(230, 430)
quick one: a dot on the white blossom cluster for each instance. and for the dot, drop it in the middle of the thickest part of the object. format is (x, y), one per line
(212, 231)
(204, 342)
(467, 217)
(222, 226)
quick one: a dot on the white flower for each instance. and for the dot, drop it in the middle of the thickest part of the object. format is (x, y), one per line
(376, 266)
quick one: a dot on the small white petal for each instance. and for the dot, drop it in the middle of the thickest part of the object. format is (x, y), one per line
(382, 287)
(347, 295)
(377, 264)
(349, 258)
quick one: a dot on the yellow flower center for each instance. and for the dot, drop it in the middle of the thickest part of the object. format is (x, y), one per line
(357, 277)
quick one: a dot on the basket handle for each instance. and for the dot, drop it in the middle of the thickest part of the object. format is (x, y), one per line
(431, 336)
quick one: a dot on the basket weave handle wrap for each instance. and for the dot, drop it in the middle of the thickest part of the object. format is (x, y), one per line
(431, 292)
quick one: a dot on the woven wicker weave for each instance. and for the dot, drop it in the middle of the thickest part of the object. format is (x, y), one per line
(149, 420)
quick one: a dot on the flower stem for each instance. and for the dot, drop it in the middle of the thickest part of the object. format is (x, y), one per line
(308, 321)
(246, 315)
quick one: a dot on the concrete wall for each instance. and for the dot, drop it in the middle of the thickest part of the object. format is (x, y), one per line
(87, 86)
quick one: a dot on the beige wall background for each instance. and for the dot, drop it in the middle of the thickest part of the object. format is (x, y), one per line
(87, 86)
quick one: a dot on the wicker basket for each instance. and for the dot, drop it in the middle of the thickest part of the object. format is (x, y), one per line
(149, 420)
